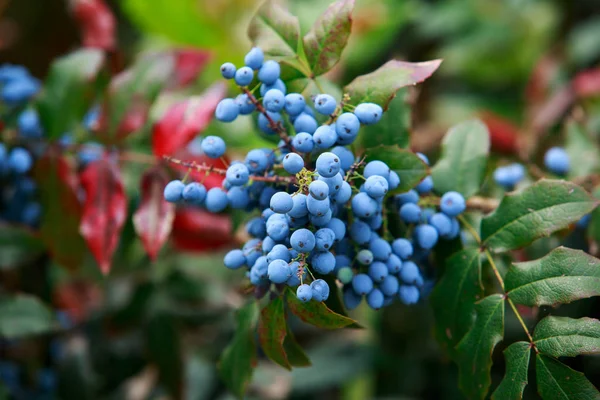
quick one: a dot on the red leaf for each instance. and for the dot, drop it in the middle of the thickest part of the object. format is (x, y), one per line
(184, 120)
(195, 229)
(97, 23)
(587, 83)
(59, 229)
(503, 133)
(104, 210)
(540, 82)
(153, 219)
(78, 298)
(188, 65)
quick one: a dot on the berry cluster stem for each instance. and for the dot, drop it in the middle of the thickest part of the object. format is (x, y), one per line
(277, 127)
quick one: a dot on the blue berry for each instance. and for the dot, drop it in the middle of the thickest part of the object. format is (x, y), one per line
(345, 275)
(402, 248)
(269, 72)
(213, 146)
(365, 257)
(279, 252)
(335, 183)
(279, 271)
(279, 85)
(303, 241)
(442, 223)
(194, 193)
(394, 264)
(344, 194)
(10, 73)
(294, 104)
(584, 221)
(380, 248)
(557, 161)
(299, 208)
(304, 293)
(31, 213)
(19, 91)
(293, 163)
(509, 175)
(256, 161)
(409, 197)
(362, 284)
(257, 228)
(377, 168)
(216, 200)
(238, 197)
(360, 232)
(320, 220)
(376, 186)
(281, 202)
(318, 189)
(409, 273)
(426, 236)
(408, 294)
(425, 186)
(245, 106)
(274, 100)
(317, 207)
(423, 158)
(29, 124)
(323, 262)
(320, 290)
(227, 110)
(254, 58)
(228, 70)
(351, 299)
(347, 126)
(19, 160)
(368, 113)
(338, 227)
(452, 204)
(237, 174)
(303, 142)
(277, 229)
(244, 76)
(90, 152)
(393, 180)
(305, 123)
(346, 157)
(234, 259)
(325, 104)
(410, 213)
(325, 137)
(389, 286)
(324, 239)
(378, 271)
(265, 125)
(174, 191)
(328, 165)
(375, 299)
(363, 205)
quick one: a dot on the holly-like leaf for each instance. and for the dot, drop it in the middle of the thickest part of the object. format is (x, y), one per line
(239, 358)
(536, 211)
(24, 315)
(275, 31)
(562, 276)
(393, 128)
(517, 364)
(184, 120)
(18, 246)
(326, 40)
(153, 219)
(475, 349)
(295, 354)
(104, 210)
(567, 337)
(59, 229)
(409, 167)
(465, 150)
(556, 381)
(453, 299)
(69, 91)
(582, 148)
(316, 313)
(272, 330)
(381, 85)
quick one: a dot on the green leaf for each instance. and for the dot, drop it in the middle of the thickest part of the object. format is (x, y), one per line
(24, 315)
(453, 299)
(164, 348)
(69, 91)
(18, 246)
(475, 349)
(562, 276)
(465, 150)
(295, 354)
(582, 150)
(381, 85)
(393, 128)
(517, 364)
(335, 303)
(239, 358)
(556, 381)
(272, 331)
(328, 36)
(567, 337)
(536, 211)
(316, 313)
(275, 31)
(409, 167)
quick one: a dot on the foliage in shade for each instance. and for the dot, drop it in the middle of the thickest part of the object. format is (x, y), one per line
(394, 127)
(275, 31)
(163, 343)
(557, 381)
(316, 313)
(24, 315)
(295, 355)
(409, 167)
(517, 364)
(272, 332)
(567, 337)
(18, 246)
(581, 147)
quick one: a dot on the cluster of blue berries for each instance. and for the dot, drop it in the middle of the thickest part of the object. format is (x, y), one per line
(17, 85)
(321, 208)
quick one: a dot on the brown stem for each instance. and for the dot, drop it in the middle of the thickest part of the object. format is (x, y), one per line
(474, 203)
(276, 126)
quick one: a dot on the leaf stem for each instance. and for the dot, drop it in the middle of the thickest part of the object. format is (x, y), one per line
(494, 268)
(470, 228)
(520, 318)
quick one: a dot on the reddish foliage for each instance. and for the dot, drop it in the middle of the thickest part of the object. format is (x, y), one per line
(587, 83)
(503, 133)
(195, 229)
(97, 23)
(184, 120)
(78, 299)
(540, 82)
(188, 64)
(153, 219)
(134, 119)
(104, 210)
(212, 179)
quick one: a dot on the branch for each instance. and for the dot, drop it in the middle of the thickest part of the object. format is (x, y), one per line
(276, 126)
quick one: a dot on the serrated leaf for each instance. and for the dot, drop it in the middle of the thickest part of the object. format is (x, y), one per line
(409, 167)
(381, 85)
(69, 91)
(272, 331)
(556, 381)
(275, 31)
(334, 301)
(295, 354)
(475, 349)
(316, 313)
(239, 358)
(567, 337)
(24, 315)
(562, 276)
(517, 364)
(326, 40)
(393, 128)
(453, 299)
(582, 149)
(462, 166)
(536, 211)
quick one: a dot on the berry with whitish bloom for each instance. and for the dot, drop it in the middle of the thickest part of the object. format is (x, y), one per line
(228, 70)
(174, 191)
(279, 252)
(317, 207)
(269, 125)
(345, 275)
(378, 271)
(380, 248)
(338, 227)
(294, 104)
(377, 168)
(293, 163)
(238, 197)
(425, 186)
(323, 262)
(320, 220)
(408, 294)
(244, 76)
(254, 58)
(279, 85)
(362, 284)
(274, 100)
(216, 200)
(303, 142)
(256, 161)
(452, 204)
(281, 202)
(19, 91)
(320, 290)
(305, 123)
(325, 104)
(409, 273)
(213, 146)
(237, 174)
(269, 72)
(20, 160)
(194, 193)
(324, 137)
(394, 264)
(368, 113)
(365, 257)
(335, 183)
(393, 180)
(346, 157)
(360, 232)
(390, 285)
(509, 176)
(442, 223)
(227, 110)
(363, 205)
(278, 229)
(304, 293)
(410, 213)
(426, 236)
(245, 105)
(28, 124)
(299, 208)
(257, 228)
(279, 271)
(344, 194)
(347, 126)
(302, 240)
(584, 221)
(376, 186)
(557, 161)
(351, 299)
(375, 299)
(409, 197)
(234, 259)
(324, 239)
(318, 189)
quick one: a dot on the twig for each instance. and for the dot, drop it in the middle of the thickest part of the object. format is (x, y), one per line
(277, 127)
